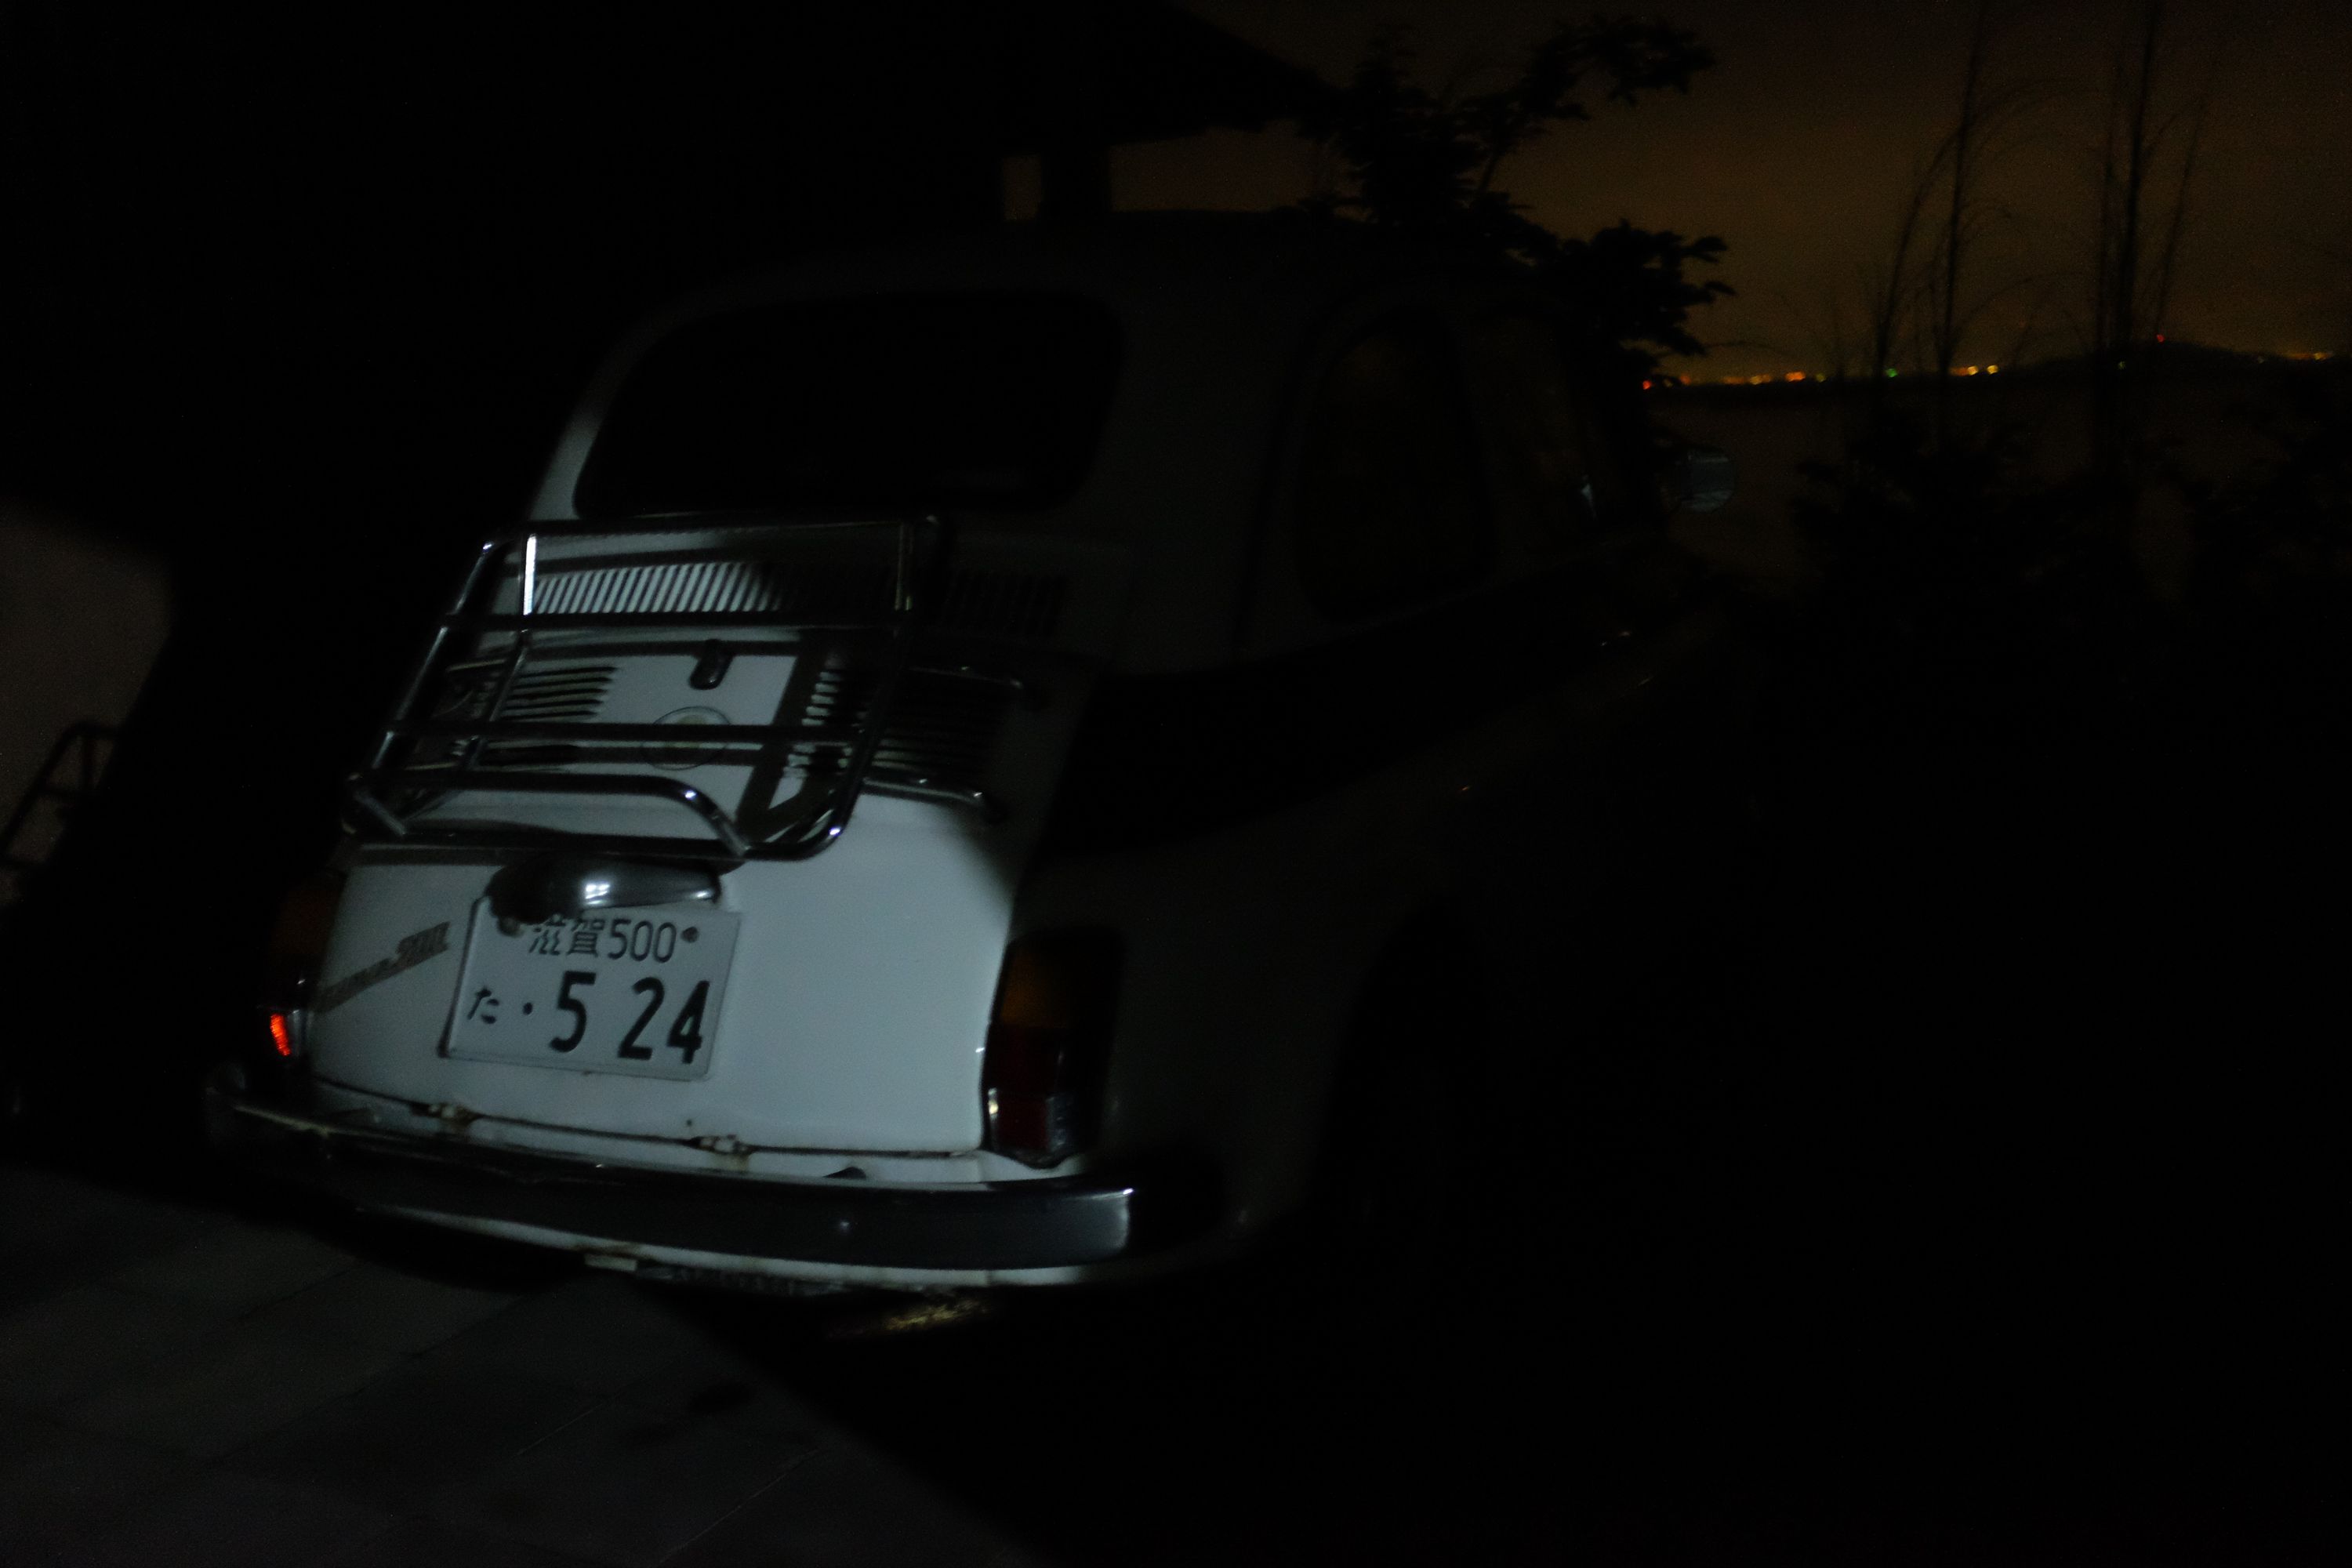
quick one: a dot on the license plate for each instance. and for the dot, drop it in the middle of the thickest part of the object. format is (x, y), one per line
(627, 991)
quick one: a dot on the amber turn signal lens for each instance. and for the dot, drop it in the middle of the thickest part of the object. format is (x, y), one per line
(1042, 1074)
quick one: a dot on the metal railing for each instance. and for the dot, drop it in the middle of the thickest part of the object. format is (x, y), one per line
(87, 744)
(395, 796)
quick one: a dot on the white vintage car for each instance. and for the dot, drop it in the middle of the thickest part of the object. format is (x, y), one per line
(1021, 760)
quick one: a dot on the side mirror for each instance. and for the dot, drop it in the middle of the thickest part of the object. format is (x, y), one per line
(1700, 478)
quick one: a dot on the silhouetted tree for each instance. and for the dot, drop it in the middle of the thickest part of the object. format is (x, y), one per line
(1990, 105)
(2135, 249)
(1428, 165)
(1918, 302)
(1892, 284)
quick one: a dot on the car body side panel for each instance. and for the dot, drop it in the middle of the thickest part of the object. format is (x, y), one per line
(1252, 946)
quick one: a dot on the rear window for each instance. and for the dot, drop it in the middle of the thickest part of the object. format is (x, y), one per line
(970, 401)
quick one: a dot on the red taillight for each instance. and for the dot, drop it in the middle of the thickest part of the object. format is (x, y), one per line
(1048, 1042)
(290, 967)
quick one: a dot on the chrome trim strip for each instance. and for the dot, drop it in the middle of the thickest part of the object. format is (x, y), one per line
(702, 735)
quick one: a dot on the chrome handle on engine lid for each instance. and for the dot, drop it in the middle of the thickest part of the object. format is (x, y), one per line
(541, 887)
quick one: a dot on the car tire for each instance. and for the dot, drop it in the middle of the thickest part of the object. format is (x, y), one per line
(1392, 1230)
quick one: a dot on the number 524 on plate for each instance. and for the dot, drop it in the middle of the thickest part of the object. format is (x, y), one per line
(619, 991)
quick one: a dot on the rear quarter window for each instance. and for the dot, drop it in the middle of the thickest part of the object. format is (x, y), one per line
(1391, 509)
(1544, 450)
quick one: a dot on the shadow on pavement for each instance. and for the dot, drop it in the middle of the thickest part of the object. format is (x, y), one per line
(1973, 1209)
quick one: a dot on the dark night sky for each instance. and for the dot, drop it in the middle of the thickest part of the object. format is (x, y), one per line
(1798, 146)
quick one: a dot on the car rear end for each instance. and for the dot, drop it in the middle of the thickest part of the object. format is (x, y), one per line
(678, 920)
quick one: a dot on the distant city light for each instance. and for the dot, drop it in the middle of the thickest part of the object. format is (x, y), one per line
(1664, 380)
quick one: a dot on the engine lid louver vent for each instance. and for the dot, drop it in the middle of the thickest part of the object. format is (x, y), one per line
(1025, 606)
(555, 694)
(941, 730)
(1002, 604)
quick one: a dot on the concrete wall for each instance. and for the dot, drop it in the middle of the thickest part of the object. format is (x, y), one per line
(81, 621)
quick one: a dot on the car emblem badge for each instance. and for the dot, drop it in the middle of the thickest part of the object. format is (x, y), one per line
(684, 754)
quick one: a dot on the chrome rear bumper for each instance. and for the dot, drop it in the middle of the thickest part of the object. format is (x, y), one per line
(1046, 1223)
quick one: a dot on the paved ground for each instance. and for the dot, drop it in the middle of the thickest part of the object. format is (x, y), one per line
(1721, 1364)
(180, 1383)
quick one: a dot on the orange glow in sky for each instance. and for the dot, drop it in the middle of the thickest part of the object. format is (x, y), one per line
(1798, 147)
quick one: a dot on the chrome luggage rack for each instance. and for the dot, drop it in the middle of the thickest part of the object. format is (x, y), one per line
(383, 801)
